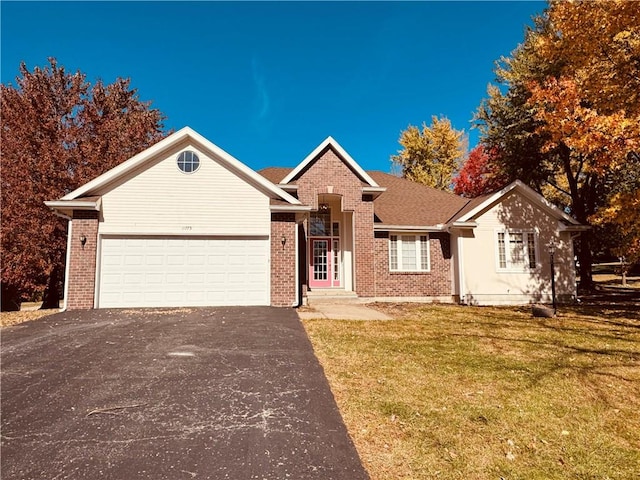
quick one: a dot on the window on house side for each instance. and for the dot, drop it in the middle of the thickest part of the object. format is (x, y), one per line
(516, 250)
(409, 253)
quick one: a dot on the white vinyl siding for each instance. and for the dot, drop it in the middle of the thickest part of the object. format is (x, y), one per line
(409, 253)
(162, 200)
(516, 250)
(183, 272)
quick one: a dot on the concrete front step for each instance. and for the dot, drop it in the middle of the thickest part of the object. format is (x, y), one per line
(323, 297)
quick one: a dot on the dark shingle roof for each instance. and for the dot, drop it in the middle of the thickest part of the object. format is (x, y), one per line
(410, 203)
(471, 204)
(275, 174)
(405, 202)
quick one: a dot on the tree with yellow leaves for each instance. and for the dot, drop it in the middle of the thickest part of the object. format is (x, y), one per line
(432, 155)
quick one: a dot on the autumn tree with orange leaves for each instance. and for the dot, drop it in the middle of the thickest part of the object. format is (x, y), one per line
(567, 118)
(58, 132)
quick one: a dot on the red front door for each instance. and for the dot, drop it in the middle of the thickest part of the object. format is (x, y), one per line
(320, 257)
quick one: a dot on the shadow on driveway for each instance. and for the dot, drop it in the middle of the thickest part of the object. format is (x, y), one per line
(225, 393)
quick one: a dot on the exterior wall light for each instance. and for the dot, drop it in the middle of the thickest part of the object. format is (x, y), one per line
(83, 240)
(283, 241)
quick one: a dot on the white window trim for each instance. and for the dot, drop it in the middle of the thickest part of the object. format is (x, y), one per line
(418, 235)
(511, 268)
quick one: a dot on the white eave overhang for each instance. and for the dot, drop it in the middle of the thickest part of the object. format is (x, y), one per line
(462, 225)
(67, 207)
(290, 208)
(374, 191)
(381, 227)
(574, 228)
(288, 187)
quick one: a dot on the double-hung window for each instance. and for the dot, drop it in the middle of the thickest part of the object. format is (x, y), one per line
(516, 250)
(408, 253)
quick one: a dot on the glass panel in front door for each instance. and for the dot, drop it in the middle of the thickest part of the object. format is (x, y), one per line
(320, 260)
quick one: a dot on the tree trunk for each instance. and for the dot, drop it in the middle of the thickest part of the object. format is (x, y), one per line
(9, 298)
(51, 298)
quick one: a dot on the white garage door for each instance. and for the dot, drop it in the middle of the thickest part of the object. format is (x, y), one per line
(183, 271)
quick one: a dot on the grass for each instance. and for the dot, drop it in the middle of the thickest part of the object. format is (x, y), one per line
(474, 393)
(9, 319)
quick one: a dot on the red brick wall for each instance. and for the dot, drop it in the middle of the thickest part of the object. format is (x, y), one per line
(283, 259)
(330, 171)
(82, 261)
(437, 282)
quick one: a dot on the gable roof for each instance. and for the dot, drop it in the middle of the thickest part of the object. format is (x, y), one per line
(410, 204)
(479, 204)
(404, 203)
(330, 142)
(186, 133)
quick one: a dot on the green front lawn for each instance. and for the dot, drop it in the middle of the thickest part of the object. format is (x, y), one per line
(487, 393)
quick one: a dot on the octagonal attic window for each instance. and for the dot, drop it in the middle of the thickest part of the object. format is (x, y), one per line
(188, 161)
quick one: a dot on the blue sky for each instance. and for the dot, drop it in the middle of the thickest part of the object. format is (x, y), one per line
(268, 81)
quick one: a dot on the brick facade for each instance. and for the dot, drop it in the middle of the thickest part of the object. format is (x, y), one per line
(330, 175)
(82, 260)
(283, 259)
(327, 175)
(435, 283)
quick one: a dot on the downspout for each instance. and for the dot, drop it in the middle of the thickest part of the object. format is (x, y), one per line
(463, 295)
(296, 301)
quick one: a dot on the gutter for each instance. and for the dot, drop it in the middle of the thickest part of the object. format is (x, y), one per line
(461, 225)
(74, 204)
(409, 228)
(290, 208)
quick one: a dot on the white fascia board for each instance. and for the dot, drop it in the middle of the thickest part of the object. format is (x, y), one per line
(128, 165)
(489, 201)
(529, 193)
(409, 228)
(341, 151)
(574, 228)
(177, 137)
(74, 204)
(290, 208)
(375, 192)
(458, 224)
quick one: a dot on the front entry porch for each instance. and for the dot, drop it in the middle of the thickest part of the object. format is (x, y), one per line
(329, 248)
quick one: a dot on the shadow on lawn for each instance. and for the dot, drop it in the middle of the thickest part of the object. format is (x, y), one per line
(583, 342)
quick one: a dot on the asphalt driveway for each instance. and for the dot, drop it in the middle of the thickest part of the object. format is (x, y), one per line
(226, 393)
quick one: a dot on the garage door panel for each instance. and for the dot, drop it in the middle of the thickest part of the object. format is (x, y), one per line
(217, 260)
(156, 271)
(175, 278)
(133, 279)
(175, 259)
(196, 260)
(154, 259)
(154, 278)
